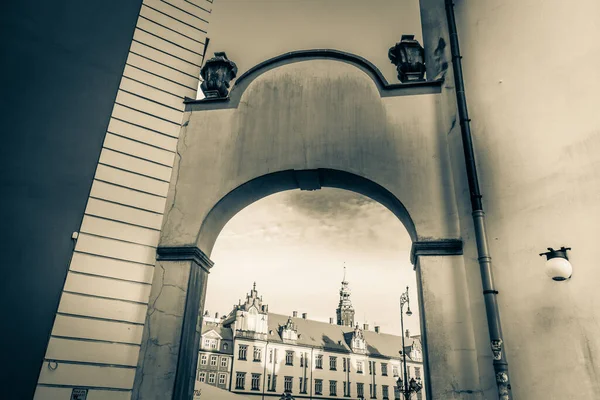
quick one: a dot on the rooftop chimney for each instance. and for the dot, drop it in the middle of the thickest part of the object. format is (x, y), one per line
(407, 333)
(331, 321)
(377, 329)
(365, 327)
(295, 314)
(303, 315)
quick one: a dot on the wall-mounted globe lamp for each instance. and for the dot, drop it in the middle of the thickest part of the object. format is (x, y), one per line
(558, 266)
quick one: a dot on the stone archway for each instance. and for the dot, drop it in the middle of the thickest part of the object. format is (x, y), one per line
(307, 122)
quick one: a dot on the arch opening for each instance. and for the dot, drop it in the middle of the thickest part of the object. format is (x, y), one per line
(310, 337)
(314, 179)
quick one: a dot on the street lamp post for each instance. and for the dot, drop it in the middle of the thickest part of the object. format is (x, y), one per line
(406, 387)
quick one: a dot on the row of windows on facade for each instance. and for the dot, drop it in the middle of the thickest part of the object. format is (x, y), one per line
(240, 383)
(213, 344)
(213, 360)
(212, 378)
(290, 355)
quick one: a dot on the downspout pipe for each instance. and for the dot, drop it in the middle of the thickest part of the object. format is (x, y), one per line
(485, 260)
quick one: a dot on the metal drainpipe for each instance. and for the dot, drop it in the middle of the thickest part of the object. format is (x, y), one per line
(485, 260)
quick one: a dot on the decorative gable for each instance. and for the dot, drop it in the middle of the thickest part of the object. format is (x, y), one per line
(358, 343)
(288, 332)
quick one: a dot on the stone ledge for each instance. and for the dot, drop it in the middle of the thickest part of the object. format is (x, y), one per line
(442, 247)
(185, 253)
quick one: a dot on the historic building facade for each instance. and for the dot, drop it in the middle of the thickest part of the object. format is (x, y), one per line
(255, 352)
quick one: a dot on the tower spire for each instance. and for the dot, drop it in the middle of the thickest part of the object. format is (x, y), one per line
(345, 311)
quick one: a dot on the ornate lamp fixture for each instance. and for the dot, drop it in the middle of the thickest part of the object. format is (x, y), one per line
(409, 58)
(406, 387)
(216, 74)
(558, 266)
(413, 386)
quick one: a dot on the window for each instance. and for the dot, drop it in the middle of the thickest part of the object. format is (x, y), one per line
(346, 389)
(318, 386)
(206, 342)
(224, 346)
(222, 378)
(304, 388)
(287, 385)
(333, 388)
(384, 369)
(359, 367)
(417, 372)
(202, 377)
(212, 378)
(408, 371)
(419, 396)
(213, 361)
(289, 358)
(374, 369)
(385, 389)
(370, 368)
(270, 356)
(240, 378)
(302, 359)
(360, 389)
(344, 364)
(257, 354)
(269, 383)
(255, 381)
(396, 393)
(203, 359)
(332, 363)
(224, 362)
(395, 371)
(319, 361)
(243, 349)
(213, 343)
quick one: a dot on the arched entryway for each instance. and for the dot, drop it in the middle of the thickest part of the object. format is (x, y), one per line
(316, 122)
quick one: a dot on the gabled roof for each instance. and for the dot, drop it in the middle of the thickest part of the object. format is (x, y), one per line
(224, 333)
(336, 337)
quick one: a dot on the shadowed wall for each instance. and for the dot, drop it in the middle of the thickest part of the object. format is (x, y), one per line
(62, 63)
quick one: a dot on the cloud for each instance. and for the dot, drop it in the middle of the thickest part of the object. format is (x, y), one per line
(327, 204)
(327, 217)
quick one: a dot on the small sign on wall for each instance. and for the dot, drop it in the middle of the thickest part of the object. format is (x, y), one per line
(79, 394)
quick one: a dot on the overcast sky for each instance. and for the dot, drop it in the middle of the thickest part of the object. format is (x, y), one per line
(294, 245)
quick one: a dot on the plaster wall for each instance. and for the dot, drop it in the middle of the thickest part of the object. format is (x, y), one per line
(253, 31)
(531, 83)
(308, 115)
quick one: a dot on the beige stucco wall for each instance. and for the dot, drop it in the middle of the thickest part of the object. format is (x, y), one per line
(531, 80)
(308, 115)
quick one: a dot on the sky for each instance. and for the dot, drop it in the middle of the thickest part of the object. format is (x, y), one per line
(295, 244)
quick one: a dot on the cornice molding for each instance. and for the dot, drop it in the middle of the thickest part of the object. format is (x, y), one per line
(185, 253)
(442, 247)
